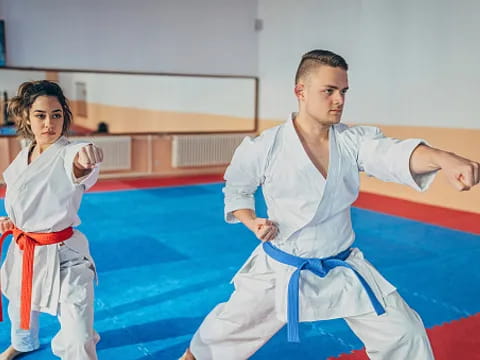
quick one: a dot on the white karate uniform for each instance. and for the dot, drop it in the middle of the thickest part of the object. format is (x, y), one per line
(313, 217)
(44, 196)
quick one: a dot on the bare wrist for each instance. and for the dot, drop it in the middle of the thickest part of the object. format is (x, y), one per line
(79, 171)
(439, 157)
(250, 224)
(247, 217)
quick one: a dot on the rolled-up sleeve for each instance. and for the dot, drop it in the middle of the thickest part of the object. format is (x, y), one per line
(388, 159)
(86, 181)
(244, 174)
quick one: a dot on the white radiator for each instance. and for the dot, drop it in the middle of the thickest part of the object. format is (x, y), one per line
(204, 150)
(117, 151)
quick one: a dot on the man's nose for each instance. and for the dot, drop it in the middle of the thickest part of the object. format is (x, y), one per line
(339, 98)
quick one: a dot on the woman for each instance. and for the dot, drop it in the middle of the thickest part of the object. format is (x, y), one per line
(48, 267)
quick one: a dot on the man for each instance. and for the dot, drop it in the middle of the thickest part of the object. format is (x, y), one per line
(305, 268)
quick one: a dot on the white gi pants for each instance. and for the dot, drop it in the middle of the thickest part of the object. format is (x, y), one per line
(76, 339)
(235, 330)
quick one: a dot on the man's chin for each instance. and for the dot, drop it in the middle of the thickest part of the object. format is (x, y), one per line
(332, 120)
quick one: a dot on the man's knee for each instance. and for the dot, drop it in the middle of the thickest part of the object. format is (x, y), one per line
(411, 331)
(415, 332)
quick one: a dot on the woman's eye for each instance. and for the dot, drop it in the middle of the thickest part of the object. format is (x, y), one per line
(57, 116)
(328, 91)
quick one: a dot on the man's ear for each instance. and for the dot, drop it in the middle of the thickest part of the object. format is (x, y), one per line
(299, 89)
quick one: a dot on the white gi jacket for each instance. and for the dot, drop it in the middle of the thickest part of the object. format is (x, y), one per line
(313, 213)
(44, 196)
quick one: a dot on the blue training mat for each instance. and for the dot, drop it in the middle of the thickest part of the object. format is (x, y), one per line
(165, 258)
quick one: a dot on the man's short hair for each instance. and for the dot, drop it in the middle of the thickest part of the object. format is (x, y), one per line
(313, 58)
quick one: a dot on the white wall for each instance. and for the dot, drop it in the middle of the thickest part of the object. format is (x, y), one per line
(411, 62)
(184, 36)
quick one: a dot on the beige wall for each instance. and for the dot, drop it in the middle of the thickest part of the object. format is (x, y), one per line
(132, 120)
(51, 75)
(9, 148)
(151, 156)
(464, 142)
(2, 104)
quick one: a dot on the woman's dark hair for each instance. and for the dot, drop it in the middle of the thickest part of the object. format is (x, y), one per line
(19, 105)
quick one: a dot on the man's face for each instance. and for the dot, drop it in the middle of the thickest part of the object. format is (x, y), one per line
(321, 94)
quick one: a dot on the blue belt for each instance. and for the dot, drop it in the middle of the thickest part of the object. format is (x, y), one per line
(320, 267)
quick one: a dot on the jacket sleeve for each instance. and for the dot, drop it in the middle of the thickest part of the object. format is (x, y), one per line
(245, 173)
(386, 158)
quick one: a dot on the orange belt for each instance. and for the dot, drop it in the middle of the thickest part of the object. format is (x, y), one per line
(27, 241)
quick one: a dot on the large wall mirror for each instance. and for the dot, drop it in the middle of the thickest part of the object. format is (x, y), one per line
(149, 102)
(161, 124)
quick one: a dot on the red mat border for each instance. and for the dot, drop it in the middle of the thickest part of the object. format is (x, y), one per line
(430, 214)
(450, 341)
(146, 183)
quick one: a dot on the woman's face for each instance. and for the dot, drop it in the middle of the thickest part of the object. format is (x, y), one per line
(46, 119)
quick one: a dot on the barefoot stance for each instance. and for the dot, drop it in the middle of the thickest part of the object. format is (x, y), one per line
(10, 354)
(186, 356)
